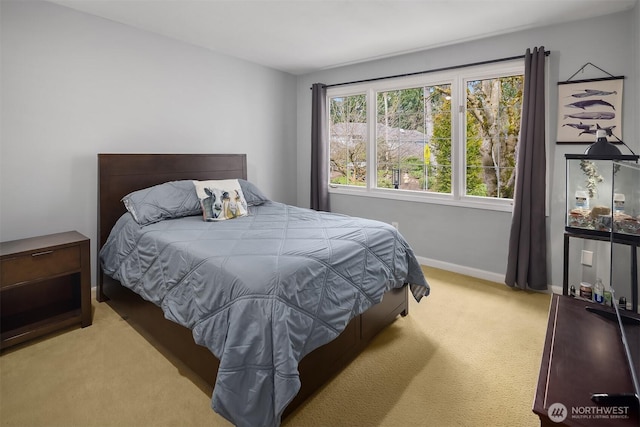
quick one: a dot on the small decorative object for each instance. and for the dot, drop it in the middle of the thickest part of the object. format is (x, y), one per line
(603, 223)
(585, 290)
(618, 203)
(582, 200)
(599, 211)
(593, 177)
(622, 303)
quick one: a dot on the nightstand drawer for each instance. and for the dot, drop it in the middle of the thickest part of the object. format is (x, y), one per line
(41, 264)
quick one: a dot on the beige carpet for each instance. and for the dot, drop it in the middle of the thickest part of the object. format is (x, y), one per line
(468, 355)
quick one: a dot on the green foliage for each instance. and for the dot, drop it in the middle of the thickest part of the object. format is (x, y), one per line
(385, 180)
(475, 184)
(348, 109)
(441, 146)
(402, 109)
(342, 180)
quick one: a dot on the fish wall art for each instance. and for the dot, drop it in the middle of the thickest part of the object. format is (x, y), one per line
(588, 105)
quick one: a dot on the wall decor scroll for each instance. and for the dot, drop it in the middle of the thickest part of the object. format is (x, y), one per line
(584, 106)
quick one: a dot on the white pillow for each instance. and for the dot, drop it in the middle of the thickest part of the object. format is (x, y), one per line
(221, 199)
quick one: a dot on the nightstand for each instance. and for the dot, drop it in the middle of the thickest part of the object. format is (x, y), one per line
(45, 285)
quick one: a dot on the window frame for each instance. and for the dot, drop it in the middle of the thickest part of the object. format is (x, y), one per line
(458, 79)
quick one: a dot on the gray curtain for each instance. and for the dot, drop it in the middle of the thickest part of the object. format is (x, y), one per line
(319, 149)
(527, 261)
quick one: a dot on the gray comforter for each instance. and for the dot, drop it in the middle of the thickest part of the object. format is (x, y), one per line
(261, 291)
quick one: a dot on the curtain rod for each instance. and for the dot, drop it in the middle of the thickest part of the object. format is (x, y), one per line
(491, 61)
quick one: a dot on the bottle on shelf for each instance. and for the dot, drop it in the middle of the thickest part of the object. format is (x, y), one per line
(598, 292)
(618, 203)
(582, 200)
(607, 298)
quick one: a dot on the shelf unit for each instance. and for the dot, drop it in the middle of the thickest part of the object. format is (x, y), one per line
(603, 236)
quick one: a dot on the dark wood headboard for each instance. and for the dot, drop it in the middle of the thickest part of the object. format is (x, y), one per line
(120, 174)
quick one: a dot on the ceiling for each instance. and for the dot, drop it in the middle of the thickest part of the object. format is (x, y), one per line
(302, 36)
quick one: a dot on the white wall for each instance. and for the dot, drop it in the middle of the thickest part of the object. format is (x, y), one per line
(471, 240)
(74, 85)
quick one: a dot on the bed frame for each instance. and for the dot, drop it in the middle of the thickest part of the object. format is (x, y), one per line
(120, 174)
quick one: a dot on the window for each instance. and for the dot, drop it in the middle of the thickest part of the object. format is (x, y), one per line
(493, 108)
(348, 136)
(413, 139)
(449, 137)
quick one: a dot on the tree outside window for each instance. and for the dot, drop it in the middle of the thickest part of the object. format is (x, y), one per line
(347, 140)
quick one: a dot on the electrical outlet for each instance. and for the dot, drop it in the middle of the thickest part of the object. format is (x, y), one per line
(587, 258)
(394, 224)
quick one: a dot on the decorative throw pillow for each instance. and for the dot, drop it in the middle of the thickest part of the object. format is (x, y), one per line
(173, 199)
(221, 199)
(252, 194)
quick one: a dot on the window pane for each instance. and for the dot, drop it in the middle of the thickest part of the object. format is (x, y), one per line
(492, 128)
(348, 140)
(413, 139)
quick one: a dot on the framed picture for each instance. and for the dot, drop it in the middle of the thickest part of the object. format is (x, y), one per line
(588, 105)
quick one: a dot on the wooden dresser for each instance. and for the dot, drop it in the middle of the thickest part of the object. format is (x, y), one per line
(45, 285)
(583, 354)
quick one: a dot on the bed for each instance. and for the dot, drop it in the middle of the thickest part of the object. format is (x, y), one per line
(299, 345)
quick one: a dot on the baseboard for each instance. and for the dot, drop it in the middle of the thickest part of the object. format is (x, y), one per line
(556, 289)
(461, 269)
(474, 272)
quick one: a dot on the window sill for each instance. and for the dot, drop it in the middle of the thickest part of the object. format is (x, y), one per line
(501, 205)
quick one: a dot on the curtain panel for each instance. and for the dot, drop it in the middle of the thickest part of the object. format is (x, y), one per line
(527, 258)
(319, 149)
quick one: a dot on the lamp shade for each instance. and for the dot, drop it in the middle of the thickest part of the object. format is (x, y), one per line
(602, 147)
